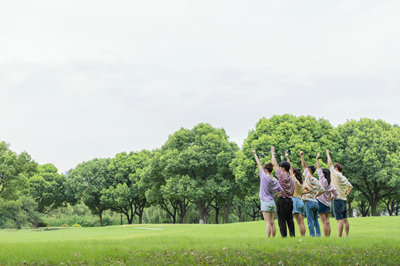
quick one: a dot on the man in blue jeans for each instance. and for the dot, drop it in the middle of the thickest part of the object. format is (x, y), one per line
(343, 187)
(312, 189)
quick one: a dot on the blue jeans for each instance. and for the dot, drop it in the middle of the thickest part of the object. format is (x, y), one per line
(312, 218)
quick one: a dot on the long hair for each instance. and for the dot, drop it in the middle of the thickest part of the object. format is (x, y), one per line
(327, 175)
(297, 174)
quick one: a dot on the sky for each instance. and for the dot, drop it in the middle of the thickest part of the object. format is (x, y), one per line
(86, 79)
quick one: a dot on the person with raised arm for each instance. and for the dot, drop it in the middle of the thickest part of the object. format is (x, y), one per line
(312, 190)
(324, 200)
(298, 204)
(268, 187)
(343, 187)
(284, 202)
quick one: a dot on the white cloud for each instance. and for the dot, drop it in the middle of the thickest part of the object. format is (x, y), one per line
(89, 79)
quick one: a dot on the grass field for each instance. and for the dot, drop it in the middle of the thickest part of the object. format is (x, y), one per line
(372, 241)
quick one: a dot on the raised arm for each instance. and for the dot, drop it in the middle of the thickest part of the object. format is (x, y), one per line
(291, 167)
(257, 160)
(329, 159)
(317, 159)
(303, 162)
(274, 163)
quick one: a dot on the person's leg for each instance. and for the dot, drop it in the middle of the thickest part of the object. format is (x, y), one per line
(289, 217)
(325, 223)
(310, 220)
(337, 209)
(300, 222)
(272, 223)
(316, 222)
(281, 217)
(346, 226)
(267, 223)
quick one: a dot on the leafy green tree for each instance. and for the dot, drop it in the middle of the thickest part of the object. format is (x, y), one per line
(89, 180)
(371, 159)
(199, 158)
(15, 170)
(127, 193)
(286, 133)
(47, 188)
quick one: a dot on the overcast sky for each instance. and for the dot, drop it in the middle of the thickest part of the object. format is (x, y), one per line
(85, 79)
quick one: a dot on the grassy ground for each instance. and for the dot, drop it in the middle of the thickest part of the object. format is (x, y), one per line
(372, 241)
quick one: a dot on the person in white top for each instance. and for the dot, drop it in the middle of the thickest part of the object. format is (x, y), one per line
(343, 187)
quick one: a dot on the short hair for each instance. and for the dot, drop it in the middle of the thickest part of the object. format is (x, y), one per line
(285, 165)
(339, 167)
(312, 168)
(327, 175)
(297, 174)
(269, 166)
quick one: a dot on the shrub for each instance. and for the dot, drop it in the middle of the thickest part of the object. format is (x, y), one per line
(64, 225)
(76, 225)
(166, 221)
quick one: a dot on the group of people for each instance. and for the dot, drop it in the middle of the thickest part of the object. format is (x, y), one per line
(300, 193)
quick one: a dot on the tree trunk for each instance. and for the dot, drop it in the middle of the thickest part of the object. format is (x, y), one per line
(373, 208)
(216, 215)
(101, 218)
(227, 210)
(202, 213)
(349, 209)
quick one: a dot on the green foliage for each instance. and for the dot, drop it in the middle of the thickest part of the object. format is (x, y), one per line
(15, 169)
(76, 225)
(371, 158)
(192, 166)
(126, 193)
(90, 178)
(47, 187)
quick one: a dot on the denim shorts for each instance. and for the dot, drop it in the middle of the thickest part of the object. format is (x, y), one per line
(322, 208)
(339, 209)
(268, 206)
(298, 206)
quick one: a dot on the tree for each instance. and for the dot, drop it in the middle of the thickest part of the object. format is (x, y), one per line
(371, 158)
(127, 193)
(15, 170)
(287, 133)
(89, 179)
(47, 188)
(198, 160)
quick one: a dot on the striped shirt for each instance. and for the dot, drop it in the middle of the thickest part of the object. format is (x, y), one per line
(313, 186)
(330, 191)
(287, 184)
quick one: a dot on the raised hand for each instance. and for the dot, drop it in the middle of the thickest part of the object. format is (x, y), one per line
(317, 156)
(301, 153)
(254, 152)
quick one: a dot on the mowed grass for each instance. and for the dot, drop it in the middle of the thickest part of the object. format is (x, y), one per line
(372, 241)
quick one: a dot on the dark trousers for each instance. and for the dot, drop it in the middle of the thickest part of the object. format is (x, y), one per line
(285, 216)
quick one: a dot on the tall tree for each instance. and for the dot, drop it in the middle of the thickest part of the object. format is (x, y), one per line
(127, 194)
(47, 188)
(198, 160)
(371, 158)
(89, 179)
(15, 170)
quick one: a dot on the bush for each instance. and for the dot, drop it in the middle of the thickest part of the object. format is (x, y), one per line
(64, 225)
(76, 225)
(42, 224)
(166, 221)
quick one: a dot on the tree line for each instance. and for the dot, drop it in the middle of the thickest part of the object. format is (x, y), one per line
(201, 169)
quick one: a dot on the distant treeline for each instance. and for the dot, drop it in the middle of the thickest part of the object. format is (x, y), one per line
(201, 170)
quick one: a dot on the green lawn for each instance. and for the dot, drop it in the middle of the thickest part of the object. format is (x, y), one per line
(372, 241)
